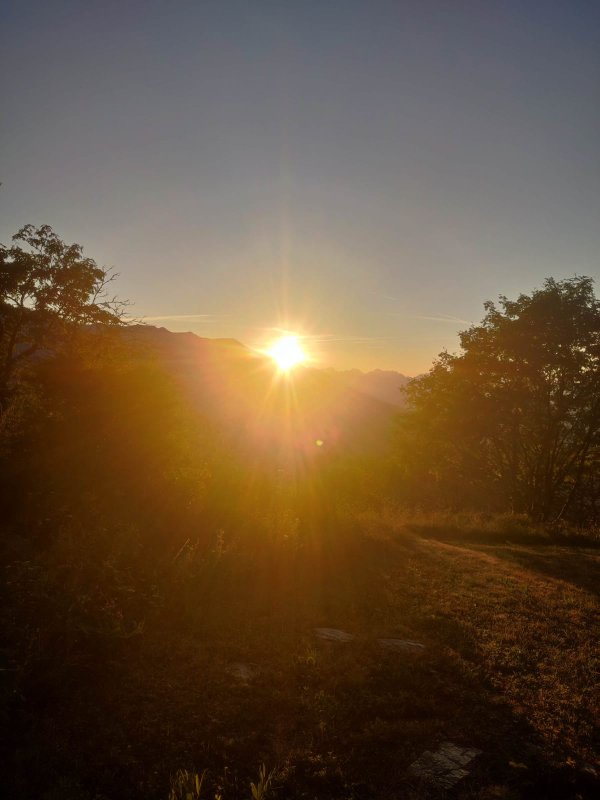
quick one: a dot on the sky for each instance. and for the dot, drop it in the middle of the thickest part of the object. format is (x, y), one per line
(366, 173)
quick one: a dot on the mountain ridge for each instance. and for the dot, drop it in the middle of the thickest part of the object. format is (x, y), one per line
(383, 384)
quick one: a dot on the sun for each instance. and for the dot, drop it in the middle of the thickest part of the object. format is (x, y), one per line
(287, 353)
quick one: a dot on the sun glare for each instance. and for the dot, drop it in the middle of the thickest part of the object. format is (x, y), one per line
(287, 353)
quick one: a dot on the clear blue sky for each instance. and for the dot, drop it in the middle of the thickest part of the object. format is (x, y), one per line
(369, 172)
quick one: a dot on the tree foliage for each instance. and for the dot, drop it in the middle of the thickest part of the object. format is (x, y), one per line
(48, 292)
(513, 420)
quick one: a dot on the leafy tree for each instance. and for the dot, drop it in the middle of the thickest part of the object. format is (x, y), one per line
(48, 292)
(513, 420)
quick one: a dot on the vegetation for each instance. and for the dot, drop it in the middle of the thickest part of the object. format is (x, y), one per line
(49, 293)
(513, 421)
(160, 532)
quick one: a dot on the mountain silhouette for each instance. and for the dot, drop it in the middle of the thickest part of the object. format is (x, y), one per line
(308, 413)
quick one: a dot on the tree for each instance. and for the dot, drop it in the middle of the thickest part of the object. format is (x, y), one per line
(48, 292)
(513, 421)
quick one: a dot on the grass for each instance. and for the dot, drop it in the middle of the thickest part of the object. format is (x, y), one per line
(507, 615)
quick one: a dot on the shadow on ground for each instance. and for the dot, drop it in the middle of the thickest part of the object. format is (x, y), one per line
(577, 566)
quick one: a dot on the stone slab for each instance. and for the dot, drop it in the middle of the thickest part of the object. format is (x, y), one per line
(402, 645)
(446, 767)
(243, 672)
(334, 635)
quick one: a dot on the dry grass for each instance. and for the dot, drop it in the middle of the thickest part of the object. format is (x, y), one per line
(510, 667)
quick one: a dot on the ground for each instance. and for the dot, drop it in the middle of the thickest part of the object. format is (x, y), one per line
(509, 667)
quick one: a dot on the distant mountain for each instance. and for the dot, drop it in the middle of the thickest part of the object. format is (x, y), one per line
(386, 385)
(311, 412)
(179, 346)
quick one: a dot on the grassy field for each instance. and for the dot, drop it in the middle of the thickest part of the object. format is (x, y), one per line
(508, 618)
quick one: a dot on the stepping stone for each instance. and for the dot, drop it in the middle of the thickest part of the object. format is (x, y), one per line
(333, 635)
(589, 769)
(402, 645)
(445, 767)
(243, 672)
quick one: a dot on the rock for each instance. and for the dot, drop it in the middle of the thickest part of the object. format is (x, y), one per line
(243, 672)
(445, 767)
(589, 769)
(402, 645)
(333, 635)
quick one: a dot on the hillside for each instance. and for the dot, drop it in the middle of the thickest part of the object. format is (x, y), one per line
(386, 385)
(187, 348)
(350, 411)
